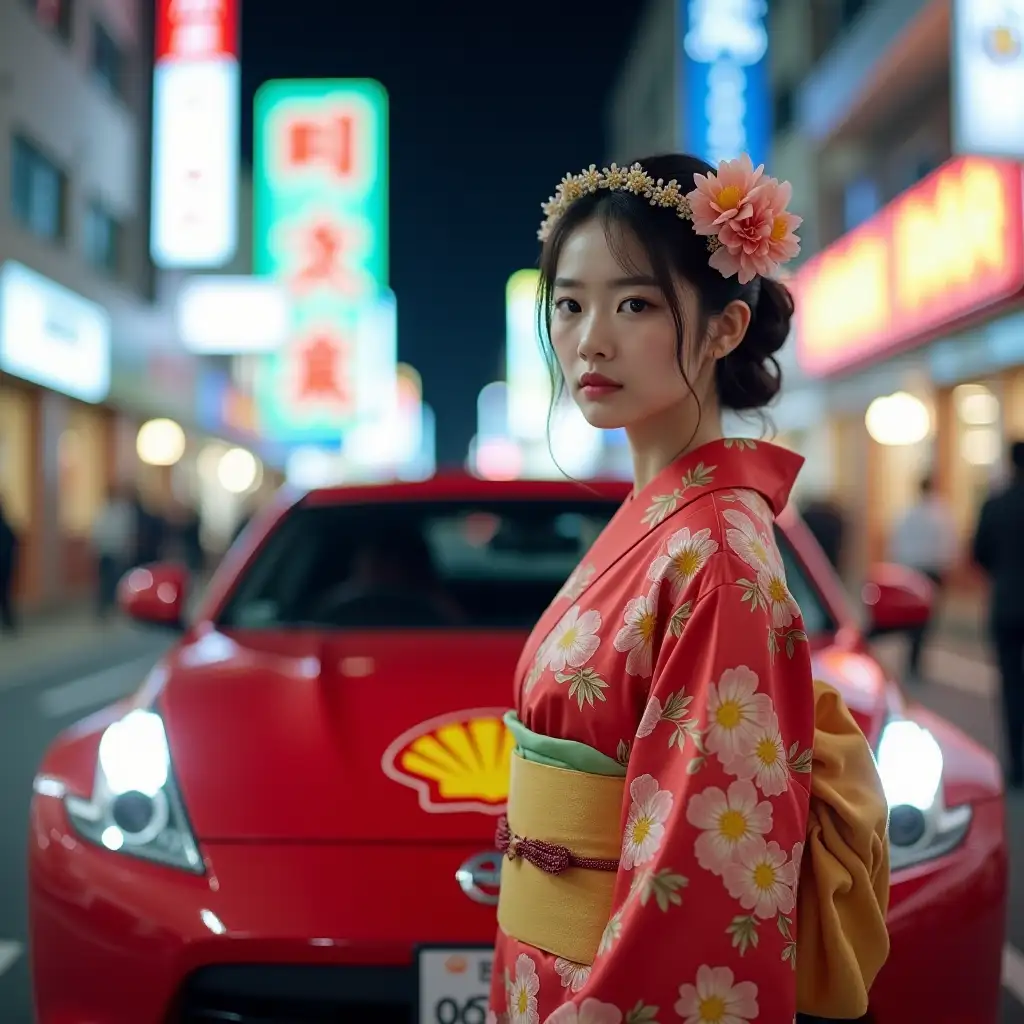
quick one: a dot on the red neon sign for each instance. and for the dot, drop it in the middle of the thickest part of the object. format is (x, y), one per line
(939, 254)
(196, 30)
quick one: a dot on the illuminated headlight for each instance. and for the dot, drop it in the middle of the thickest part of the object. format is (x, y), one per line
(135, 807)
(910, 765)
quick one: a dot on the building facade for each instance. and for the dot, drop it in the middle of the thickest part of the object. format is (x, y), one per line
(88, 345)
(909, 340)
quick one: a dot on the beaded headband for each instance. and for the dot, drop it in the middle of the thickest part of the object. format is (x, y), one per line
(741, 212)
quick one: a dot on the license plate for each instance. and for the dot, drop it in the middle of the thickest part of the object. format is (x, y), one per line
(454, 984)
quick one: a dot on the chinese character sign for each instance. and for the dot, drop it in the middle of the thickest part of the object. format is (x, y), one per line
(724, 89)
(196, 96)
(320, 227)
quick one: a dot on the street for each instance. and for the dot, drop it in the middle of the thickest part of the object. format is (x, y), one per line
(40, 697)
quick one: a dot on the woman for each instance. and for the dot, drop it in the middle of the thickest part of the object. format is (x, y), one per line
(670, 854)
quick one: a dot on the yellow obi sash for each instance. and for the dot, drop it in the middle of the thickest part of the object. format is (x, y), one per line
(565, 805)
(558, 818)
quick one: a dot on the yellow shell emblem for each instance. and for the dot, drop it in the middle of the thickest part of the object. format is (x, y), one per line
(457, 762)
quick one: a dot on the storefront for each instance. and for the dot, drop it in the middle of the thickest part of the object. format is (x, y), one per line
(911, 331)
(55, 437)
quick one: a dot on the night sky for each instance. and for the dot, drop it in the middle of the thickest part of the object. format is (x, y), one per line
(490, 105)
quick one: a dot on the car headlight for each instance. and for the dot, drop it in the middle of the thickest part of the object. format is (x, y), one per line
(910, 765)
(135, 807)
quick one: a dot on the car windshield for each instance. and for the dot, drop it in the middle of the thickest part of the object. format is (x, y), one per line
(430, 565)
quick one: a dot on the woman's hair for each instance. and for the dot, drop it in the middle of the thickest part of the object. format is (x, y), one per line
(749, 377)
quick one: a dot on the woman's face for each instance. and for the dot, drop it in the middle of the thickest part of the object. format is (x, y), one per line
(614, 335)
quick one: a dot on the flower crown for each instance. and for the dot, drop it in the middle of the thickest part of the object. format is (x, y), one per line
(741, 211)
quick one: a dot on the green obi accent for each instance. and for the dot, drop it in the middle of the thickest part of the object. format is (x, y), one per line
(559, 753)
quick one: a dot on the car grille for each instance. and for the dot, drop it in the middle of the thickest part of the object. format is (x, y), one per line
(280, 994)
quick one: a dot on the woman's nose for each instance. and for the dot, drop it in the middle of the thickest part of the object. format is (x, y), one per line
(595, 340)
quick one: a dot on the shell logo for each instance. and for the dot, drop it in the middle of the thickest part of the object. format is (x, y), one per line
(457, 762)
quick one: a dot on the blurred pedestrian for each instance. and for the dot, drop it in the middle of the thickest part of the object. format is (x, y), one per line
(113, 540)
(999, 550)
(9, 544)
(150, 531)
(925, 539)
(824, 518)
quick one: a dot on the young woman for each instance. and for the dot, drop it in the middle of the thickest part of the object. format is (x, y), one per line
(670, 853)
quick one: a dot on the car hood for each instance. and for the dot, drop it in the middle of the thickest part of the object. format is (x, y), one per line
(861, 681)
(300, 736)
(294, 736)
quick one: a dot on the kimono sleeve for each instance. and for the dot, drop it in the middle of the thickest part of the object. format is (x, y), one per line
(715, 816)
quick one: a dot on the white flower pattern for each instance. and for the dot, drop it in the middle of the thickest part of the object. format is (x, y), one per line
(717, 998)
(763, 879)
(736, 713)
(645, 826)
(651, 718)
(574, 976)
(765, 762)
(730, 822)
(687, 555)
(574, 641)
(636, 638)
(590, 1011)
(524, 991)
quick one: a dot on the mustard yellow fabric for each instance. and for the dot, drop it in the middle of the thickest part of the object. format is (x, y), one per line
(572, 796)
(562, 914)
(842, 940)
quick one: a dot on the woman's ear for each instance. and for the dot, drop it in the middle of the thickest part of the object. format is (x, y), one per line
(729, 328)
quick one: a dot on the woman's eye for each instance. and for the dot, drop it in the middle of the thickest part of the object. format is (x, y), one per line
(568, 306)
(637, 305)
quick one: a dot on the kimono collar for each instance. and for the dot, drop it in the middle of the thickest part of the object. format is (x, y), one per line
(734, 462)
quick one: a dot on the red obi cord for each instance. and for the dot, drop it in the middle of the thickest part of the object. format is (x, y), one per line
(549, 857)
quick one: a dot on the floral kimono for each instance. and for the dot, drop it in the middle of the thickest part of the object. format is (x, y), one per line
(673, 665)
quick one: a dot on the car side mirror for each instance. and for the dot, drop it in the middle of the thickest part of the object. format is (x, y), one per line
(155, 595)
(897, 598)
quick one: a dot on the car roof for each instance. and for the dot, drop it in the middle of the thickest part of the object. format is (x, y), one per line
(454, 485)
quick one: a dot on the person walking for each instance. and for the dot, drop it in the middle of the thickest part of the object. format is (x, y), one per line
(8, 564)
(998, 550)
(113, 538)
(925, 539)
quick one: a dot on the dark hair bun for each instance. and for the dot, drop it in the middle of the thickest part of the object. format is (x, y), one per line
(750, 376)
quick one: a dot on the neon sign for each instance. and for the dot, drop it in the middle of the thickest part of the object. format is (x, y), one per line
(320, 227)
(724, 84)
(196, 98)
(945, 250)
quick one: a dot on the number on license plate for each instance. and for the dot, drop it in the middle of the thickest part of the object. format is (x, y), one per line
(454, 985)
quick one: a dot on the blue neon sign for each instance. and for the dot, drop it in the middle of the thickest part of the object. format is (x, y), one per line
(724, 86)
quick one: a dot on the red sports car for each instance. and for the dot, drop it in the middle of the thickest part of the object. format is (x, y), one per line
(293, 818)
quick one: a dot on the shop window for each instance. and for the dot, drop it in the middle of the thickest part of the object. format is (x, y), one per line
(977, 450)
(82, 461)
(54, 15)
(38, 191)
(17, 456)
(107, 59)
(101, 237)
(785, 108)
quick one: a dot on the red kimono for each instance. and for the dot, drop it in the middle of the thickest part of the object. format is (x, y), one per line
(677, 648)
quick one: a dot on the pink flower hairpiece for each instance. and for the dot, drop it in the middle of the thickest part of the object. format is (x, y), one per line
(741, 211)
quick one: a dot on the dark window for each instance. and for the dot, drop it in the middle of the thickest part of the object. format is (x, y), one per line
(38, 191)
(817, 620)
(861, 201)
(54, 15)
(437, 565)
(101, 238)
(471, 565)
(107, 59)
(784, 108)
